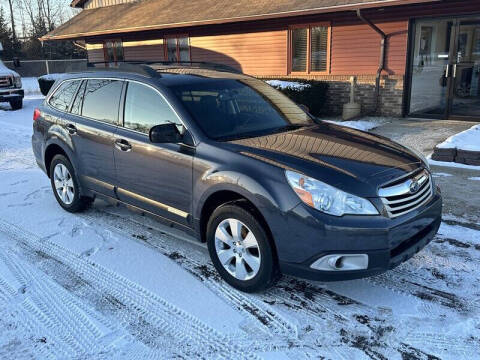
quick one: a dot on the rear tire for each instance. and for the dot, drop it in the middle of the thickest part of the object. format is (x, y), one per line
(16, 104)
(65, 185)
(240, 249)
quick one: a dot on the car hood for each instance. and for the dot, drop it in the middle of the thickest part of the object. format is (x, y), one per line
(5, 71)
(349, 159)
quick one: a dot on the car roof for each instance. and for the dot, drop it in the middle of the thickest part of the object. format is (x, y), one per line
(168, 75)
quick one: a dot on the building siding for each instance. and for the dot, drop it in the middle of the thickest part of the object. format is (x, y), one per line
(255, 53)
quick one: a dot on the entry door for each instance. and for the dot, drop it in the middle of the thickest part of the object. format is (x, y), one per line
(445, 69)
(465, 92)
(154, 177)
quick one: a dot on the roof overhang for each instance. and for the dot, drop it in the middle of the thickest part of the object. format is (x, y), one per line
(274, 15)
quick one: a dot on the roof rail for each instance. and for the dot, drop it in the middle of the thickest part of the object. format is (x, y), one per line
(150, 68)
(140, 68)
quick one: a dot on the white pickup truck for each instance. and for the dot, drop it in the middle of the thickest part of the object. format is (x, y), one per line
(11, 87)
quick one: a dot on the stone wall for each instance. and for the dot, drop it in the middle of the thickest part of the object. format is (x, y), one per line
(391, 93)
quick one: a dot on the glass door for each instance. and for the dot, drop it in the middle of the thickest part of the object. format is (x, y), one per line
(465, 93)
(431, 64)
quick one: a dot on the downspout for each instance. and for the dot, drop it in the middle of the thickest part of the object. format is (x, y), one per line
(383, 53)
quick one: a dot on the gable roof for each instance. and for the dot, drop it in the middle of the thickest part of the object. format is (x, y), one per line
(163, 14)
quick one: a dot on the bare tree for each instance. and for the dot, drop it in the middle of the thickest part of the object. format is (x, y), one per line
(12, 20)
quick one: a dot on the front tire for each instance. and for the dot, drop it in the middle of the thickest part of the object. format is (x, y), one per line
(65, 185)
(16, 104)
(240, 249)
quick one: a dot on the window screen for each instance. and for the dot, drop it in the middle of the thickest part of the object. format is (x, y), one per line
(318, 48)
(63, 96)
(313, 57)
(178, 49)
(145, 108)
(101, 100)
(299, 49)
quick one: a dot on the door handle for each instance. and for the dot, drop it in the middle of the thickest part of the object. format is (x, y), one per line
(455, 71)
(123, 145)
(71, 129)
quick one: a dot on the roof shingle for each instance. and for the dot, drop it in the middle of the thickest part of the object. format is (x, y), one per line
(161, 14)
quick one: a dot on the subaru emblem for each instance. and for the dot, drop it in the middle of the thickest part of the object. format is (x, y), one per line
(414, 187)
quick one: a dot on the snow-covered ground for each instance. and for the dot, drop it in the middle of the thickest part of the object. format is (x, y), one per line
(113, 284)
(466, 140)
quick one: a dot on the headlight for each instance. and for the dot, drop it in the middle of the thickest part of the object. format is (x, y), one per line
(420, 155)
(328, 199)
(17, 81)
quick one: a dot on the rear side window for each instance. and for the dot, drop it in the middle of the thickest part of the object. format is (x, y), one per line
(101, 100)
(145, 108)
(62, 97)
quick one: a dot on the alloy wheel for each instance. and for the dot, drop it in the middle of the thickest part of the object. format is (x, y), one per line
(64, 184)
(237, 249)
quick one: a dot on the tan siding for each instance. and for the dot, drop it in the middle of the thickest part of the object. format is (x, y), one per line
(259, 53)
(92, 4)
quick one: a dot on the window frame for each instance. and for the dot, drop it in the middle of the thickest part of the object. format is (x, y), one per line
(309, 27)
(124, 100)
(176, 37)
(114, 48)
(118, 122)
(57, 88)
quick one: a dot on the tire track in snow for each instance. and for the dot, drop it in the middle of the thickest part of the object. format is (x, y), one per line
(180, 327)
(319, 305)
(273, 322)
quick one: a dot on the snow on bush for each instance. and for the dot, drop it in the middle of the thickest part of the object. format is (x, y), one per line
(287, 84)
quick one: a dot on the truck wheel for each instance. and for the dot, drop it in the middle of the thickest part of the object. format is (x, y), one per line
(16, 104)
(240, 249)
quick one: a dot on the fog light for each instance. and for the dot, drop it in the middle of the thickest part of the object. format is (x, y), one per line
(341, 262)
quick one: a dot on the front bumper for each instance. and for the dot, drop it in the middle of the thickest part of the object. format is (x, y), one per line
(11, 94)
(387, 242)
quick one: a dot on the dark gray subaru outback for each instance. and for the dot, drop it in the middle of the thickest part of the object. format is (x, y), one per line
(228, 158)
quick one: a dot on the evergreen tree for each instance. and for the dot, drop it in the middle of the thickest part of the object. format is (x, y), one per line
(9, 46)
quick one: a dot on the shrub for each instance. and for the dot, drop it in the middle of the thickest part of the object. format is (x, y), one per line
(310, 93)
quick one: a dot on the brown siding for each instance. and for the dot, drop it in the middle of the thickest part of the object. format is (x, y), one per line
(95, 52)
(150, 52)
(255, 53)
(356, 48)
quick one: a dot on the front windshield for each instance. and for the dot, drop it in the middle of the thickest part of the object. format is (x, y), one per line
(228, 109)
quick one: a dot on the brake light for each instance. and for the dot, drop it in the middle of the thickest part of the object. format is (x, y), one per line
(36, 114)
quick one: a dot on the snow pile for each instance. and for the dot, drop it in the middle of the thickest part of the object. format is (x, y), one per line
(365, 124)
(287, 84)
(467, 140)
(30, 86)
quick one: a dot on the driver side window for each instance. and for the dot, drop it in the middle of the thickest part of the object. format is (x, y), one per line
(145, 108)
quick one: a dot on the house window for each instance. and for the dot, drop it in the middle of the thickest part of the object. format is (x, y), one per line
(177, 49)
(113, 51)
(310, 49)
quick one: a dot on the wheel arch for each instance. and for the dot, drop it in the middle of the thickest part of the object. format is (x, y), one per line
(231, 196)
(53, 148)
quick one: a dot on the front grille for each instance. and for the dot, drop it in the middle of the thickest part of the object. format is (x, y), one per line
(5, 81)
(403, 196)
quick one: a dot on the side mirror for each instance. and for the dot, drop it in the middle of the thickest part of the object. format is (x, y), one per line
(165, 133)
